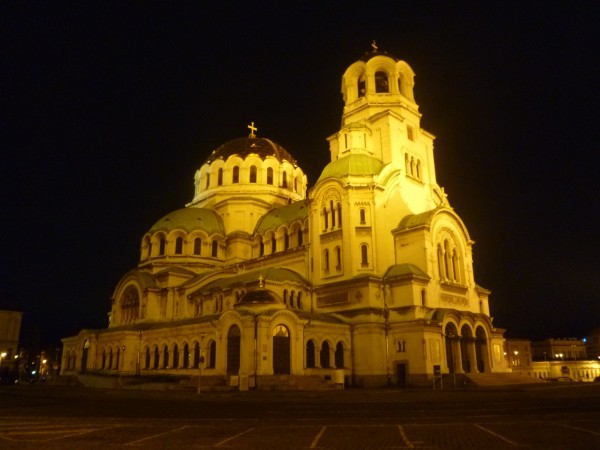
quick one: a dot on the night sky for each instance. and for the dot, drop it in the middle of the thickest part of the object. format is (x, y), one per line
(108, 108)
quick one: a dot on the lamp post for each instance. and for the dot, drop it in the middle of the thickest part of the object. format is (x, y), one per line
(575, 355)
(200, 362)
(450, 337)
(2, 356)
(516, 353)
(121, 364)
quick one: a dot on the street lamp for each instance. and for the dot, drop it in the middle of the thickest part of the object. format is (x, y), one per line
(2, 356)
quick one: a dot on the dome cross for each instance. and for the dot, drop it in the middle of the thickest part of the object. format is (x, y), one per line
(252, 130)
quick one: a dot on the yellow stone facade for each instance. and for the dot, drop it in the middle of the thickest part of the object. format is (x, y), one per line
(365, 278)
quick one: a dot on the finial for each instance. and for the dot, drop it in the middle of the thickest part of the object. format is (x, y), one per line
(374, 45)
(252, 130)
(260, 281)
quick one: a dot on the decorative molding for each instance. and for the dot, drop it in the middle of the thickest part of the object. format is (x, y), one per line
(333, 300)
(454, 300)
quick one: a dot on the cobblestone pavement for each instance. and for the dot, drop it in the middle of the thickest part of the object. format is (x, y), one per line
(565, 418)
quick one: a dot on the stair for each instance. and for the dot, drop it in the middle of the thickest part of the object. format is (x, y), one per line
(500, 379)
(295, 383)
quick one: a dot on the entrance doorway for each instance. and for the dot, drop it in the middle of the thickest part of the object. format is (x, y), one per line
(233, 350)
(281, 350)
(401, 374)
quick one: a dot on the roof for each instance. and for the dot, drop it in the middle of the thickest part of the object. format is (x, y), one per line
(284, 215)
(276, 274)
(401, 270)
(354, 164)
(259, 296)
(190, 219)
(417, 220)
(245, 146)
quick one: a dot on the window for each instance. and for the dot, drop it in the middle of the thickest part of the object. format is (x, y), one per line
(411, 133)
(339, 355)
(156, 357)
(147, 358)
(286, 241)
(423, 297)
(338, 254)
(212, 355)
(284, 180)
(197, 246)
(196, 355)
(261, 248)
(269, 175)
(186, 356)
(418, 168)
(236, 175)
(361, 86)
(175, 357)
(285, 296)
(252, 174)
(381, 82)
(310, 354)
(207, 180)
(299, 236)
(215, 249)
(299, 300)
(165, 357)
(364, 256)
(179, 246)
(326, 219)
(220, 177)
(324, 356)
(332, 214)
(326, 260)
(363, 216)
(339, 213)
(161, 246)
(273, 244)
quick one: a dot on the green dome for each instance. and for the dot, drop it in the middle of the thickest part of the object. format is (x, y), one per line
(356, 165)
(190, 219)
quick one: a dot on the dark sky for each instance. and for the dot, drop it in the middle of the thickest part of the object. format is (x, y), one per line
(108, 108)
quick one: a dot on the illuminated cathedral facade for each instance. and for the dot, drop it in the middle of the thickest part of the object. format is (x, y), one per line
(366, 278)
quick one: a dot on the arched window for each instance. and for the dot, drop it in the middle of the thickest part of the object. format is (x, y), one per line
(310, 354)
(175, 357)
(252, 174)
(440, 255)
(156, 357)
(325, 219)
(406, 163)
(269, 175)
(165, 357)
(364, 255)
(207, 180)
(362, 90)
(235, 178)
(212, 355)
(196, 355)
(300, 236)
(286, 241)
(261, 248)
(292, 299)
(295, 184)
(285, 297)
(273, 244)
(326, 260)
(299, 300)
(381, 82)
(447, 259)
(412, 167)
(284, 180)
(179, 246)
(215, 248)
(339, 213)
(186, 356)
(103, 360)
(455, 269)
(161, 246)
(423, 297)
(339, 355)
(338, 257)
(197, 246)
(418, 168)
(363, 216)
(220, 177)
(147, 358)
(324, 356)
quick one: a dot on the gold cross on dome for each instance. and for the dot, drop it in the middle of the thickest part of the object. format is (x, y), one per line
(374, 45)
(252, 130)
(261, 281)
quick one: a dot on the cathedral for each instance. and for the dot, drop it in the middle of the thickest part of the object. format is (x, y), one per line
(260, 282)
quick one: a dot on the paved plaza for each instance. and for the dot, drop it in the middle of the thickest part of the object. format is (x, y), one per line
(548, 417)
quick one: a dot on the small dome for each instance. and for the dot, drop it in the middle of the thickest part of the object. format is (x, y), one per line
(251, 145)
(190, 219)
(258, 297)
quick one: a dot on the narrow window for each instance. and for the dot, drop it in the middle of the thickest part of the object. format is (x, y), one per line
(175, 357)
(364, 257)
(411, 133)
(179, 246)
(361, 86)
(339, 213)
(338, 254)
(447, 260)
(252, 174)
(299, 236)
(423, 297)
(284, 180)
(285, 297)
(215, 248)
(269, 175)
(212, 355)
(286, 241)
(236, 175)
(455, 266)
(295, 184)
(220, 177)
(196, 355)
(363, 216)
(326, 260)
(273, 244)
(162, 245)
(207, 180)
(406, 163)
(165, 357)
(418, 168)
(197, 246)
(299, 300)
(261, 248)
(156, 357)
(332, 214)
(186, 356)
(147, 358)
(412, 167)
(440, 255)
(325, 217)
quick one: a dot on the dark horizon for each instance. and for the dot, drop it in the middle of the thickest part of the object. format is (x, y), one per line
(110, 108)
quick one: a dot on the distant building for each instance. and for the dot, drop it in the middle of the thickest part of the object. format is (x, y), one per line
(518, 356)
(10, 329)
(367, 276)
(592, 345)
(559, 349)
